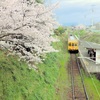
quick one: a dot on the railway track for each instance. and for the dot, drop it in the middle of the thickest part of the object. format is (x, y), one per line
(77, 83)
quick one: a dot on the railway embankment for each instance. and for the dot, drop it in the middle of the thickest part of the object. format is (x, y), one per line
(93, 37)
(62, 84)
(50, 82)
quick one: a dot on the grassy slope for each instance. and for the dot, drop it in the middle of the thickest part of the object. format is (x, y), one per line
(91, 89)
(17, 82)
(88, 36)
(62, 83)
(94, 38)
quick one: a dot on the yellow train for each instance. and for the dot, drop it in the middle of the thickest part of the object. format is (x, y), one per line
(72, 44)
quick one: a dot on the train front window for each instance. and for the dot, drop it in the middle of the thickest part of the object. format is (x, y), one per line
(69, 44)
(75, 44)
(72, 44)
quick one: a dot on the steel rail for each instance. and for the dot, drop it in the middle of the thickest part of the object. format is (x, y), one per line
(72, 79)
(82, 80)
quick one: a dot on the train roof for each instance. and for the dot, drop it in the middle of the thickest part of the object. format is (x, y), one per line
(74, 41)
(72, 38)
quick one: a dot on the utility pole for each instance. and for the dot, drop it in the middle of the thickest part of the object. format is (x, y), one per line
(85, 19)
(92, 10)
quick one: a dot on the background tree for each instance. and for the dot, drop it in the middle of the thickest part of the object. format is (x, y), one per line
(26, 28)
(59, 30)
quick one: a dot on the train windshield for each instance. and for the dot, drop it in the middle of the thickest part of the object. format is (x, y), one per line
(72, 44)
(75, 44)
(69, 44)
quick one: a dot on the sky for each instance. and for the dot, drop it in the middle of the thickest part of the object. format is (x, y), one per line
(75, 12)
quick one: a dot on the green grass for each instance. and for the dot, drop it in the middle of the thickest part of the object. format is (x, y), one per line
(91, 89)
(18, 82)
(94, 38)
(88, 36)
(80, 33)
(13, 76)
(62, 83)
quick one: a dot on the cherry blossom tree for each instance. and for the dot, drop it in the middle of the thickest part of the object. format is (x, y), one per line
(25, 30)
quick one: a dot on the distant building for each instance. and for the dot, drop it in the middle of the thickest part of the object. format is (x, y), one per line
(97, 26)
(80, 27)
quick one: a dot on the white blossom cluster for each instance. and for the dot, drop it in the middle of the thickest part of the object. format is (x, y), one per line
(25, 29)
